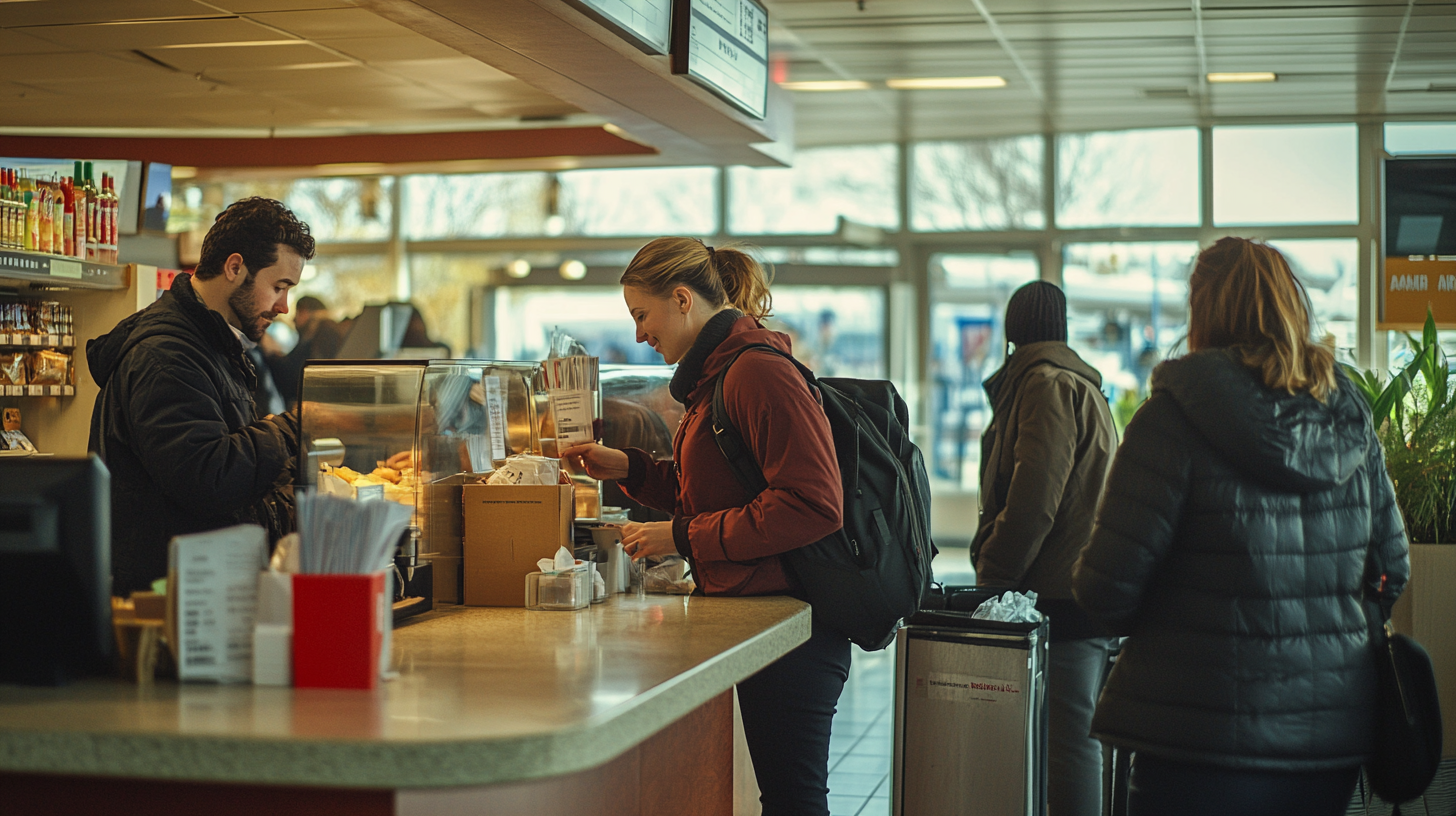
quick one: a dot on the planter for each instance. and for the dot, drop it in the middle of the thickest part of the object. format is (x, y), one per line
(1427, 612)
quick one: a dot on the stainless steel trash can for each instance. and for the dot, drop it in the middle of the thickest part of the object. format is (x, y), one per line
(970, 717)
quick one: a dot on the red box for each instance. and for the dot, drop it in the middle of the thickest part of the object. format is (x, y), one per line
(338, 630)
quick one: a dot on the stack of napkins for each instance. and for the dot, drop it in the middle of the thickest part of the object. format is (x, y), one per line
(343, 537)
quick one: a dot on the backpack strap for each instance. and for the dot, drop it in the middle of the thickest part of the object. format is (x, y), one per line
(730, 440)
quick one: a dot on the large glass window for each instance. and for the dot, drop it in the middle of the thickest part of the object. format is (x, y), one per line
(347, 283)
(440, 287)
(650, 201)
(1128, 178)
(344, 209)
(977, 185)
(1330, 272)
(837, 331)
(825, 183)
(595, 315)
(1127, 311)
(1420, 137)
(1303, 174)
(968, 344)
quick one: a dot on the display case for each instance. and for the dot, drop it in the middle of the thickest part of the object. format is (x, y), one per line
(415, 432)
(638, 411)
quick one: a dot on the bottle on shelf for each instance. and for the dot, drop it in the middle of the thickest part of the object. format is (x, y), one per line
(93, 217)
(7, 210)
(78, 206)
(57, 193)
(108, 216)
(32, 221)
(45, 230)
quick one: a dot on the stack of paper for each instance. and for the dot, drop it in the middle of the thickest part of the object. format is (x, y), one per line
(343, 537)
(571, 383)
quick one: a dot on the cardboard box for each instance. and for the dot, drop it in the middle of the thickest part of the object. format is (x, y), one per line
(508, 528)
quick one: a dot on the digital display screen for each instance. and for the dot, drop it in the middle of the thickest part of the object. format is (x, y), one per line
(646, 23)
(723, 45)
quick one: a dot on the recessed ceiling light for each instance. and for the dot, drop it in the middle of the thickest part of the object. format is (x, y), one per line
(946, 83)
(239, 44)
(827, 85)
(1243, 76)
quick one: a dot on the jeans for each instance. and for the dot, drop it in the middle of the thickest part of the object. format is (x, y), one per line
(1076, 671)
(788, 709)
(1160, 786)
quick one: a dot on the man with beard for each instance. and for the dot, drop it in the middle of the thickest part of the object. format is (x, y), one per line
(175, 420)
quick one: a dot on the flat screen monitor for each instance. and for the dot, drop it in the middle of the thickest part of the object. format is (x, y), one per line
(156, 196)
(723, 46)
(55, 569)
(377, 333)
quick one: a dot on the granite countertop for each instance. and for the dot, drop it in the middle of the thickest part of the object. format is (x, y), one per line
(483, 696)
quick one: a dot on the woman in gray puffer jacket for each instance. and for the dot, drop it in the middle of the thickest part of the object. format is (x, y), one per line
(1247, 510)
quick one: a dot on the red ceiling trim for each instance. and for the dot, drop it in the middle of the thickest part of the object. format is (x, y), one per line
(306, 151)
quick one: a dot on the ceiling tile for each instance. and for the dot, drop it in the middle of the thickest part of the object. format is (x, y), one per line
(392, 49)
(64, 12)
(333, 24)
(263, 57)
(130, 36)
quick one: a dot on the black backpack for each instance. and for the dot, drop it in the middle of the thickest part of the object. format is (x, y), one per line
(864, 578)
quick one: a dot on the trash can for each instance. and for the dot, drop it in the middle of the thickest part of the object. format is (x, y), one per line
(970, 716)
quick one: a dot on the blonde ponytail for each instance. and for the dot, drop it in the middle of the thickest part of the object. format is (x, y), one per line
(724, 276)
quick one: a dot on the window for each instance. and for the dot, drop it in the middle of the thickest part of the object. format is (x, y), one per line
(1127, 311)
(968, 344)
(1420, 137)
(648, 202)
(977, 185)
(441, 287)
(824, 184)
(837, 331)
(1330, 272)
(595, 315)
(1303, 174)
(476, 205)
(343, 209)
(347, 283)
(1128, 178)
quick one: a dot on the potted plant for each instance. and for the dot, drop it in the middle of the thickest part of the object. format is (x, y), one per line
(1415, 418)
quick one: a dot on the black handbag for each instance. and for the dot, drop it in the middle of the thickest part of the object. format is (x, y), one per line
(1407, 749)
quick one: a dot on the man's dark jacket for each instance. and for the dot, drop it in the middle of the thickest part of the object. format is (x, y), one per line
(1044, 459)
(175, 424)
(1237, 529)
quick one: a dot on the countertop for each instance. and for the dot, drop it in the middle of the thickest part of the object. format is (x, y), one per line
(483, 696)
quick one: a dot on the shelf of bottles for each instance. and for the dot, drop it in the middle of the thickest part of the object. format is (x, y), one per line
(60, 231)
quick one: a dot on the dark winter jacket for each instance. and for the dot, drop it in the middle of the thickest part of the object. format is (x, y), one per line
(1237, 530)
(1044, 459)
(175, 424)
(735, 539)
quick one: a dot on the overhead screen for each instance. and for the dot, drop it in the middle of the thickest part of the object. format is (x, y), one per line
(644, 23)
(723, 45)
(1420, 242)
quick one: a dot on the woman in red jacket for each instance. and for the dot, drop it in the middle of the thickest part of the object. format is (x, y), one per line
(698, 306)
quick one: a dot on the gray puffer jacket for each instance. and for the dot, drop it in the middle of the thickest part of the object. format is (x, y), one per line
(1238, 529)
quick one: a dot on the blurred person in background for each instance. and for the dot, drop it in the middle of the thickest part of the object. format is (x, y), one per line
(1247, 515)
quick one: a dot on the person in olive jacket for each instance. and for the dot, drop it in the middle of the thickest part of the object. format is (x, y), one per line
(1247, 514)
(698, 306)
(175, 421)
(1044, 459)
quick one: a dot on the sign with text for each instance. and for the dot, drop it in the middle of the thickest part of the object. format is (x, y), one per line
(1410, 287)
(723, 45)
(644, 23)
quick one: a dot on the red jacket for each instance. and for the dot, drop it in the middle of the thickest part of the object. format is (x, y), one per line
(736, 540)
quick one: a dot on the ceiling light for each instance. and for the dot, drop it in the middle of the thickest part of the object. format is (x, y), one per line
(1243, 76)
(519, 268)
(573, 270)
(238, 44)
(827, 85)
(946, 83)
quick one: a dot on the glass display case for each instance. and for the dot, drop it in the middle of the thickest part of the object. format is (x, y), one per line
(415, 432)
(638, 411)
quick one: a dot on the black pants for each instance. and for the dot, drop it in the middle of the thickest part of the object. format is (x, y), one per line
(788, 709)
(1161, 787)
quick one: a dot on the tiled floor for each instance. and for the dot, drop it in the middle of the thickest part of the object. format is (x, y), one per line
(861, 744)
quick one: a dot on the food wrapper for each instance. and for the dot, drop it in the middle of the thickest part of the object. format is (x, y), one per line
(12, 369)
(525, 469)
(1013, 607)
(668, 577)
(50, 368)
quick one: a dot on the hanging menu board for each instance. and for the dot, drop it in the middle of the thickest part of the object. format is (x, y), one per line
(723, 45)
(644, 23)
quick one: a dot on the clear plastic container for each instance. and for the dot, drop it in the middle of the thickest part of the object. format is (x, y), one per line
(560, 591)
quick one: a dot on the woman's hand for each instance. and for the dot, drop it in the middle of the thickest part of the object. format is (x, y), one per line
(652, 538)
(599, 461)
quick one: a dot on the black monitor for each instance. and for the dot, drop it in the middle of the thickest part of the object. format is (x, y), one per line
(55, 569)
(377, 333)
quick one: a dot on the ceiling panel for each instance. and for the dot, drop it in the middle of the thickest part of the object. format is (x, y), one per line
(64, 12)
(130, 36)
(256, 58)
(380, 49)
(333, 24)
